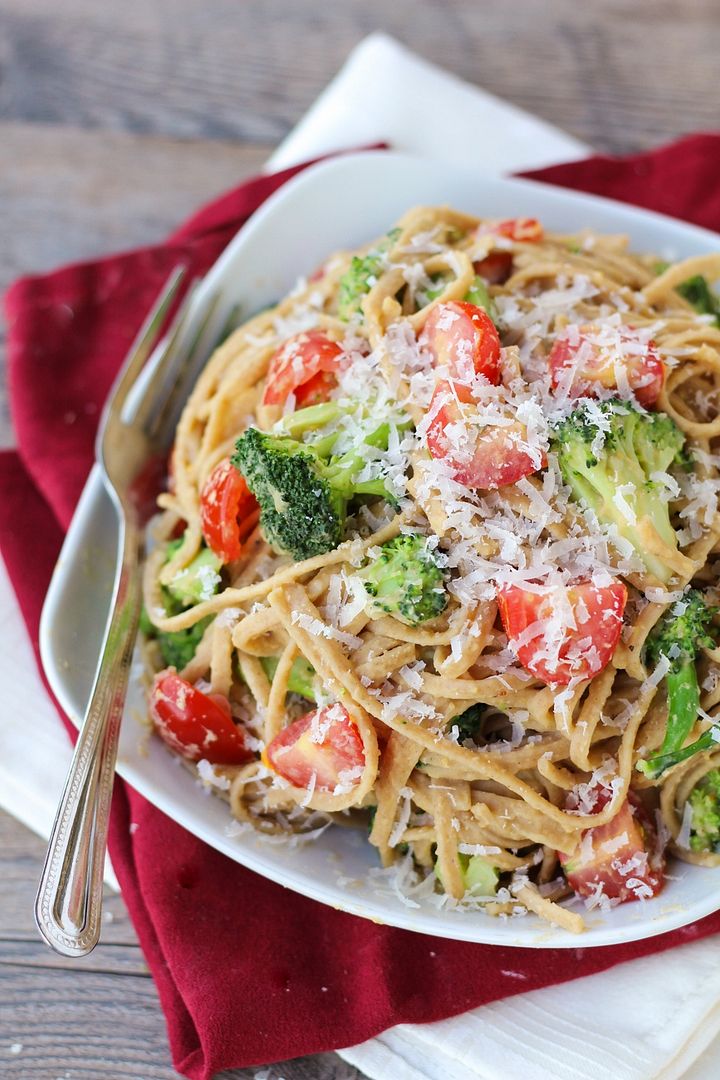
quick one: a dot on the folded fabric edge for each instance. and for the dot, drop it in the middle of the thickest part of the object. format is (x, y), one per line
(649, 179)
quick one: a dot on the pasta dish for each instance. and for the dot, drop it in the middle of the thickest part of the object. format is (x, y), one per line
(436, 559)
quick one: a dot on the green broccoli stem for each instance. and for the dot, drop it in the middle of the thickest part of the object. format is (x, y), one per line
(378, 438)
(656, 766)
(295, 425)
(678, 638)
(309, 419)
(340, 471)
(340, 476)
(683, 696)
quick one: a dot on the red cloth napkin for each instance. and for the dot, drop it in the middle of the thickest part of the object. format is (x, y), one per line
(248, 972)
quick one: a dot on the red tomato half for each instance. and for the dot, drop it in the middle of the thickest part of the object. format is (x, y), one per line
(524, 230)
(563, 634)
(195, 725)
(592, 356)
(487, 458)
(298, 362)
(495, 268)
(616, 860)
(463, 337)
(324, 744)
(315, 390)
(228, 511)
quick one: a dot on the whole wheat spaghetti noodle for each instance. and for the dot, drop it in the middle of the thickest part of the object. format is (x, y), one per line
(455, 634)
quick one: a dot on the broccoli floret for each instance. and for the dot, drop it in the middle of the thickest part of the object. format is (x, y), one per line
(607, 452)
(198, 580)
(405, 580)
(678, 638)
(697, 292)
(479, 875)
(303, 490)
(469, 723)
(179, 647)
(145, 624)
(362, 274)
(301, 513)
(302, 675)
(704, 802)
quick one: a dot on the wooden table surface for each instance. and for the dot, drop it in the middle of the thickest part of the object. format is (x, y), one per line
(116, 120)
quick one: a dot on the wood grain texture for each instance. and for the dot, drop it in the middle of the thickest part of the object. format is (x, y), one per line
(68, 194)
(118, 119)
(74, 196)
(616, 74)
(90, 1019)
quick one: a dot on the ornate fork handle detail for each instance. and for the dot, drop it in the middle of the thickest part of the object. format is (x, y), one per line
(136, 430)
(69, 900)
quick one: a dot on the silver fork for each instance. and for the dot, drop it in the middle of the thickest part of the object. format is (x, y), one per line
(138, 422)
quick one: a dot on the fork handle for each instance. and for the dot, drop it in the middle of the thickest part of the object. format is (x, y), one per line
(69, 900)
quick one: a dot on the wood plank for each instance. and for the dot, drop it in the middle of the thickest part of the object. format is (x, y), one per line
(79, 1025)
(67, 194)
(618, 75)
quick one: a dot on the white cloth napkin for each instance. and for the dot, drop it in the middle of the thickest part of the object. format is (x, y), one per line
(651, 1018)
(385, 93)
(647, 1019)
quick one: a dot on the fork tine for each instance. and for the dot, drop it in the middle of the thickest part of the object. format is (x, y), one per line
(146, 338)
(140, 404)
(184, 370)
(230, 324)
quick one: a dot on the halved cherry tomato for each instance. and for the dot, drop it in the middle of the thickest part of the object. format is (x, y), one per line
(481, 457)
(524, 230)
(463, 337)
(562, 633)
(617, 860)
(495, 268)
(228, 511)
(194, 724)
(590, 356)
(316, 390)
(297, 362)
(324, 744)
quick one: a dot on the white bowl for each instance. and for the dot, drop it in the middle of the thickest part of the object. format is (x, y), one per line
(341, 204)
